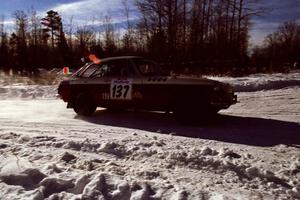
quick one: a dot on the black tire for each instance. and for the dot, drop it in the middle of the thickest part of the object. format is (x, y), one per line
(84, 104)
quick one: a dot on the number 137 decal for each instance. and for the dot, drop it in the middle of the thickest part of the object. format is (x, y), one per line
(121, 89)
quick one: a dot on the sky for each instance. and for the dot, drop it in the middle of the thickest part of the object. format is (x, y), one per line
(91, 11)
(278, 11)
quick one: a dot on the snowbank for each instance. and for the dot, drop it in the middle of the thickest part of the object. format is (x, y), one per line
(143, 166)
(259, 82)
(43, 86)
(20, 91)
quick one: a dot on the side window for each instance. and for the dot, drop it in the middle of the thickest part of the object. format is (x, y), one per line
(130, 72)
(114, 68)
(146, 67)
(101, 71)
(117, 68)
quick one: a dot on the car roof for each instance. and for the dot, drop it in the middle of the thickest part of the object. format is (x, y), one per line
(120, 58)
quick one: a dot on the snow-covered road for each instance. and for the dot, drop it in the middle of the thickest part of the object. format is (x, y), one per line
(250, 151)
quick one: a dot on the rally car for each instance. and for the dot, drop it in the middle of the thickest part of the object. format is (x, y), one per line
(131, 82)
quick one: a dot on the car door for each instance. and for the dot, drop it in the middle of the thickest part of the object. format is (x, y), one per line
(92, 81)
(155, 89)
(120, 80)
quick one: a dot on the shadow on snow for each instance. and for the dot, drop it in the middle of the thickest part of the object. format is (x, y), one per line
(225, 128)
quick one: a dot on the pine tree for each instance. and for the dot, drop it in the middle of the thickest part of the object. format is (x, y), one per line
(53, 27)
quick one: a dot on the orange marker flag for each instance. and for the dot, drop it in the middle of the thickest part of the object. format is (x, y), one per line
(66, 70)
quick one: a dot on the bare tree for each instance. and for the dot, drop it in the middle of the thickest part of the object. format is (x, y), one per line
(84, 35)
(21, 23)
(128, 36)
(280, 49)
(109, 35)
(4, 54)
(35, 31)
(70, 32)
(1, 29)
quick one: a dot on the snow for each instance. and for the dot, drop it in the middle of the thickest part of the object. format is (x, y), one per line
(250, 151)
(259, 82)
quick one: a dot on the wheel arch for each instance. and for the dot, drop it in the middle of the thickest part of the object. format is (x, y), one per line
(75, 93)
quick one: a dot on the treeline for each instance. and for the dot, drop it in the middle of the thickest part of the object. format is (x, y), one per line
(206, 36)
(197, 33)
(280, 51)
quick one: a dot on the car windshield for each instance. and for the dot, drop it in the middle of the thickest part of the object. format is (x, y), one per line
(90, 70)
(81, 69)
(148, 68)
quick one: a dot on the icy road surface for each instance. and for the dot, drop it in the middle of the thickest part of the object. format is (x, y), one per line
(250, 151)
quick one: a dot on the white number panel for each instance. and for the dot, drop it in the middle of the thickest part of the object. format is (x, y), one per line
(121, 89)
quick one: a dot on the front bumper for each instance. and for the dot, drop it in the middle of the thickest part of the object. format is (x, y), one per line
(224, 103)
(234, 100)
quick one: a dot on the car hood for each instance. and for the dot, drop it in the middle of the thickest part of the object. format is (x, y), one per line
(193, 80)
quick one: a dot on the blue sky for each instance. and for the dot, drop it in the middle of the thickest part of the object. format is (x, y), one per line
(279, 11)
(83, 11)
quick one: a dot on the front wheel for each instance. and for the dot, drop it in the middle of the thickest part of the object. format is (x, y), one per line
(84, 105)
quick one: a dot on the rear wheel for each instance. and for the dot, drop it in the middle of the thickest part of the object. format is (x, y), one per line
(84, 104)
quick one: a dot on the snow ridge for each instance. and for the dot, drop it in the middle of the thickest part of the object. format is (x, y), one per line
(117, 172)
(28, 92)
(260, 82)
(269, 85)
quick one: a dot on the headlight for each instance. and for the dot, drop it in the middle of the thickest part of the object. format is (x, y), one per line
(231, 90)
(217, 88)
